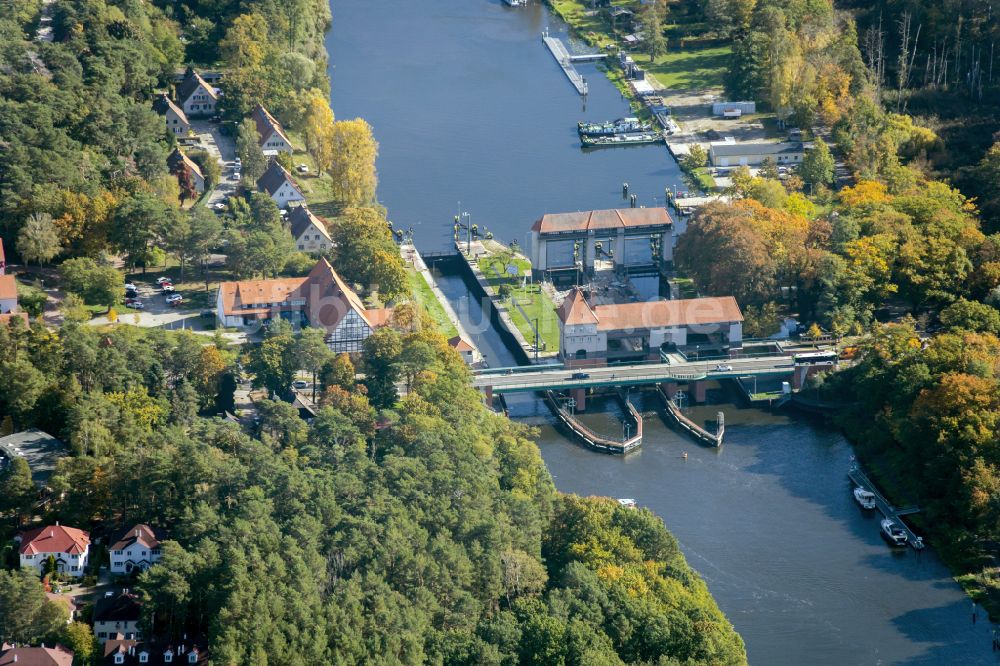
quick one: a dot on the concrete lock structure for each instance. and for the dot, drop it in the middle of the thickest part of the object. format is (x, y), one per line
(629, 238)
(591, 336)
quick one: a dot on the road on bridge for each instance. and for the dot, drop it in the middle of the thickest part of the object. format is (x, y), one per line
(538, 378)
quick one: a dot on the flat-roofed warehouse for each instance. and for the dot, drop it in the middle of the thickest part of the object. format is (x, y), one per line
(629, 238)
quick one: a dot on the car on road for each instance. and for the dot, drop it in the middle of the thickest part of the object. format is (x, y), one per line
(175, 299)
(580, 375)
(237, 163)
(723, 367)
(236, 176)
(167, 287)
(300, 384)
(134, 303)
(130, 287)
(161, 280)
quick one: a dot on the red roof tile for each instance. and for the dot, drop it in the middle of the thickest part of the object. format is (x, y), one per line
(54, 539)
(575, 311)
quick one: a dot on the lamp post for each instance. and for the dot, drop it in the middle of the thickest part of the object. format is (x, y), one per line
(536, 339)
(626, 426)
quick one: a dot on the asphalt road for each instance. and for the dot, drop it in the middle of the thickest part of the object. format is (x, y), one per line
(531, 380)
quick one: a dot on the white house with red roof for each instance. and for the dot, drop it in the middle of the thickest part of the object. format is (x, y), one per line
(138, 548)
(593, 334)
(69, 546)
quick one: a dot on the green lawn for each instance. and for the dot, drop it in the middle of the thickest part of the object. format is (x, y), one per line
(533, 301)
(703, 177)
(688, 69)
(423, 295)
(318, 190)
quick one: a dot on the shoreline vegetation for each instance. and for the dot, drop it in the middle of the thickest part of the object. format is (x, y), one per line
(885, 245)
(406, 530)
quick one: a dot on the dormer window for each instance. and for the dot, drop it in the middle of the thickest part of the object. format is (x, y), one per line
(119, 658)
(168, 657)
(143, 657)
(193, 657)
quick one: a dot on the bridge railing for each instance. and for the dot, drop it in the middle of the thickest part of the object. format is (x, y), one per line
(531, 382)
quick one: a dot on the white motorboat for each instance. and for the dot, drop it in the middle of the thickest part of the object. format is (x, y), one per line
(865, 498)
(893, 533)
(627, 503)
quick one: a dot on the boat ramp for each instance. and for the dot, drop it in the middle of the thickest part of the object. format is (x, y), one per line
(886, 508)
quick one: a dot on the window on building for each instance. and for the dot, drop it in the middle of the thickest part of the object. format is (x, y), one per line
(119, 658)
(118, 552)
(143, 658)
(102, 634)
(192, 657)
(168, 657)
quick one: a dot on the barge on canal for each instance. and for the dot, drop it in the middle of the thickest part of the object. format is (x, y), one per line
(621, 140)
(613, 127)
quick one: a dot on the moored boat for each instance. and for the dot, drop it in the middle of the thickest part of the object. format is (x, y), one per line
(612, 127)
(893, 533)
(628, 503)
(621, 139)
(865, 498)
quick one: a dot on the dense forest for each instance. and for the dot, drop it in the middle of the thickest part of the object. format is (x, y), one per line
(428, 531)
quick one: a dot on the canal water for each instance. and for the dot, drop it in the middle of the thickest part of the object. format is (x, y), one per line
(469, 106)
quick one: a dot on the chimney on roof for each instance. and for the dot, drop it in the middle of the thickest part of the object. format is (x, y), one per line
(57, 523)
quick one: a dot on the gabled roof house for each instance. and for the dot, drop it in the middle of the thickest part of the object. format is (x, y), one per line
(273, 139)
(279, 185)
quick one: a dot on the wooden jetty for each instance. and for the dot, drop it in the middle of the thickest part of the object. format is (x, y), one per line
(559, 52)
(592, 439)
(886, 508)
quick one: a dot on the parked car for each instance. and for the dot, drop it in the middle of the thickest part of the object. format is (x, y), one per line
(687, 211)
(131, 293)
(167, 287)
(237, 163)
(134, 303)
(236, 176)
(174, 299)
(580, 375)
(219, 206)
(130, 287)
(161, 280)
(302, 168)
(215, 119)
(300, 384)
(723, 367)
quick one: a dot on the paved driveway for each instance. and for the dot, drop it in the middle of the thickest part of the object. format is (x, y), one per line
(224, 149)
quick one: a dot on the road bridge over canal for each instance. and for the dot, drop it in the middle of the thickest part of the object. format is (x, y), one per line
(560, 378)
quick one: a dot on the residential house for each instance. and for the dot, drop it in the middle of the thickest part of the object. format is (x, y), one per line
(195, 96)
(120, 650)
(117, 614)
(320, 299)
(3, 259)
(273, 139)
(8, 298)
(464, 349)
(138, 548)
(8, 294)
(35, 656)
(178, 161)
(279, 185)
(751, 153)
(39, 449)
(177, 121)
(67, 602)
(309, 232)
(69, 546)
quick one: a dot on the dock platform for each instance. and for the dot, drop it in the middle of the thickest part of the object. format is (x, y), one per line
(886, 508)
(559, 52)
